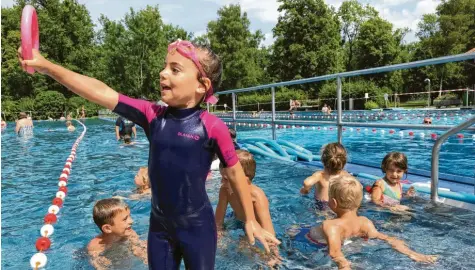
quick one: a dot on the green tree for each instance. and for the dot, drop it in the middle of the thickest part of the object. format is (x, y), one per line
(66, 37)
(230, 38)
(352, 15)
(132, 51)
(49, 104)
(307, 40)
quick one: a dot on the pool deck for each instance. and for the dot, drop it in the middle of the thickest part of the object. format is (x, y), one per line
(414, 178)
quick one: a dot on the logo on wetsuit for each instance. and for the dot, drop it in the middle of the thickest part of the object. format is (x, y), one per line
(190, 136)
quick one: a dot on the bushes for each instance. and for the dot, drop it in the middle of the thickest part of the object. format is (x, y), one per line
(356, 89)
(447, 100)
(77, 102)
(49, 104)
(9, 109)
(46, 104)
(370, 105)
(282, 97)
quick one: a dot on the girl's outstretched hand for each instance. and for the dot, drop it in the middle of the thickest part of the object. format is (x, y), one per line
(254, 230)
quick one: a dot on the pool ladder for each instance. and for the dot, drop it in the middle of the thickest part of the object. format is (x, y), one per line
(434, 195)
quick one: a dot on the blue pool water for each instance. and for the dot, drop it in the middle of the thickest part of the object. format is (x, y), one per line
(105, 168)
(366, 147)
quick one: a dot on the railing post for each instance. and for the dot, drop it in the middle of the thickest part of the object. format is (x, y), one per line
(434, 184)
(207, 106)
(233, 97)
(338, 119)
(274, 135)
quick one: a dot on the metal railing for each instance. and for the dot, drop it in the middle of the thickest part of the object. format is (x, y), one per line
(434, 184)
(340, 124)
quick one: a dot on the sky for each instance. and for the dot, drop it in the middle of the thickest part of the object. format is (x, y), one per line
(193, 15)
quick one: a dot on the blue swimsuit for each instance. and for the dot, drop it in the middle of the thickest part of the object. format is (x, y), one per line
(182, 145)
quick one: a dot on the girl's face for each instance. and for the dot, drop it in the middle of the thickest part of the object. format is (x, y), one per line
(394, 174)
(179, 82)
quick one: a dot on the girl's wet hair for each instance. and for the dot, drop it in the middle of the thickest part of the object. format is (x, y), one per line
(334, 157)
(397, 159)
(211, 64)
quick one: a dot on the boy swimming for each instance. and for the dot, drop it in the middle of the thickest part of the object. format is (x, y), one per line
(345, 197)
(112, 217)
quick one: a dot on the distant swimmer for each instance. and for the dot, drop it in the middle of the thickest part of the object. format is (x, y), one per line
(70, 126)
(23, 125)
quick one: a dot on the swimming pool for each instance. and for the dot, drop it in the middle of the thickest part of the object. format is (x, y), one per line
(439, 117)
(105, 168)
(366, 147)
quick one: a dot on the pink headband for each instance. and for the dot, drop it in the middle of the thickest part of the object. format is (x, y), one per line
(186, 49)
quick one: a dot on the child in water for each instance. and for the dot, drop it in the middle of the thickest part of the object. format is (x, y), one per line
(334, 160)
(183, 139)
(345, 195)
(387, 192)
(112, 217)
(142, 182)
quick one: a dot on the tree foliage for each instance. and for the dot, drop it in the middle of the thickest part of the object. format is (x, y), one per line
(311, 39)
(307, 40)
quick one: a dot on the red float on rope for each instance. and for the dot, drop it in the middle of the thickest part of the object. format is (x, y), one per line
(57, 201)
(43, 243)
(50, 218)
(460, 136)
(63, 189)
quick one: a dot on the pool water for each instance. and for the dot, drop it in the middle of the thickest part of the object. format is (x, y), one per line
(105, 168)
(365, 147)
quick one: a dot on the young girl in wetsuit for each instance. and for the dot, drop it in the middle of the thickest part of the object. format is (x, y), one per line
(387, 192)
(183, 139)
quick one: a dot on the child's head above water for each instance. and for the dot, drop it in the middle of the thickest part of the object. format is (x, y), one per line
(142, 181)
(248, 164)
(334, 157)
(127, 139)
(347, 192)
(112, 216)
(191, 73)
(394, 165)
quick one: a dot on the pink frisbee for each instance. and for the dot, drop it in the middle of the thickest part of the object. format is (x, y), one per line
(30, 35)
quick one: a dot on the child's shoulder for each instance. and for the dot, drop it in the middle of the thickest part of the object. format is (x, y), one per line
(318, 175)
(96, 245)
(379, 183)
(257, 191)
(258, 195)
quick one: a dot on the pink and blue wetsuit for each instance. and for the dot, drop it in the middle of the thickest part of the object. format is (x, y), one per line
(182, 145)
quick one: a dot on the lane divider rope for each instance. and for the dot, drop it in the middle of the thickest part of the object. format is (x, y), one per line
(43, 243)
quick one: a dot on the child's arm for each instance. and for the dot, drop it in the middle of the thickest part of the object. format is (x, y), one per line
(332, 235)
(117, 136)
(98, 262)
(17, 127)
(261, 208)
(134, 131)
(89, 88)
(309, 183)
(139, 247)
(221, 209)
(398, 244)
(377, 192)
(237, 179)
